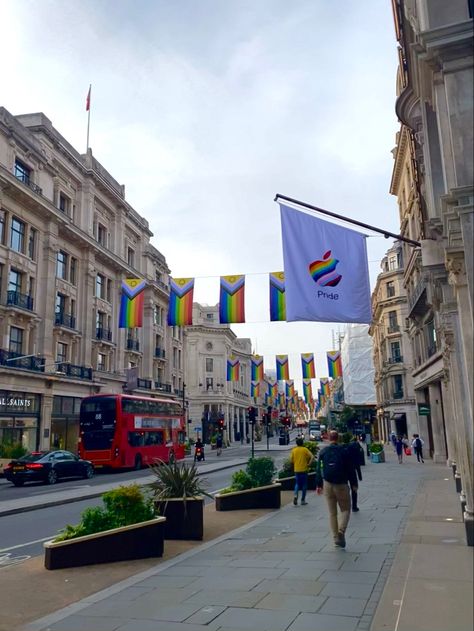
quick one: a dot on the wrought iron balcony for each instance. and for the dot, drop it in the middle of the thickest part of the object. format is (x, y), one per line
(64, 319)
(432, 349)
(17, 299)
(159, 352)
(144, 383)
(103, 334)
(414, 299)
(396, 359)
(133, 345)
(71, 370)
(179, 393)
(398, 394)
(394, 328)
(16, 360)
(162, 387)
(26, 180)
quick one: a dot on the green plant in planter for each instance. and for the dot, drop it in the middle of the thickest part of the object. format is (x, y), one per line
(312, 447)
(123, 506)
(178, 479)
(375, 448)
(346, 438)
(259, 472)
(12, 450)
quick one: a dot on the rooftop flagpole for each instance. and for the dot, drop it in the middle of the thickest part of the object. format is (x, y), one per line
(88, 110)
(385, 233)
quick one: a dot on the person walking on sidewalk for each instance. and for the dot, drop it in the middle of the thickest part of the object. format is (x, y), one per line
(332, 475)
(356, 455)
(417, 445)
(301, 458)
(399, 447)
(219, 443)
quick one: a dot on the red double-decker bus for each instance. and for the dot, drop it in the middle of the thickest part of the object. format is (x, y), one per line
(123, 432)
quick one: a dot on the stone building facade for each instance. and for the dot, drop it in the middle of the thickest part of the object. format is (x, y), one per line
(68, 238)
(434, 182)
(393, 361)
(209, 345)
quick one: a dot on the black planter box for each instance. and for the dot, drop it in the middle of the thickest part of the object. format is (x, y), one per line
(184, 520)
(288, 484)
(138, 541)
(260, 497)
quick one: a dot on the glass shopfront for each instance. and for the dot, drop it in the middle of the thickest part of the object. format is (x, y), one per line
(20, 418)
(65, 423)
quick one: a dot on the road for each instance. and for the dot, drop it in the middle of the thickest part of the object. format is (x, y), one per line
(22, 534)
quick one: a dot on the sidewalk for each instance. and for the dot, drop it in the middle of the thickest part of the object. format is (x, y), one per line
(280, 572)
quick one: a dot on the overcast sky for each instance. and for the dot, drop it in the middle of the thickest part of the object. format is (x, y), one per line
(205, 109)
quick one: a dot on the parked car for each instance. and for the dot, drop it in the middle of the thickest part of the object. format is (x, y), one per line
(48, 467)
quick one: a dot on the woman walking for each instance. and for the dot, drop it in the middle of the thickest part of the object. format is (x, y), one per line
(399, 447)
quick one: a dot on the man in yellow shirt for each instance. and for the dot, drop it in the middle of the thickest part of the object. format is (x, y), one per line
(301, 458)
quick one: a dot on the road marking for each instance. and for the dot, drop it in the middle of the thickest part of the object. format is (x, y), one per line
(7, 559)
(28, 543)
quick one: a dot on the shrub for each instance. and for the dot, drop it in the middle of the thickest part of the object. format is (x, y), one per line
(122, 507)
(346, 438)
(12, 450)
(177, 480)
(261, 470)
(287, 469)
(241, 480)
(313, 447)
(375, 448)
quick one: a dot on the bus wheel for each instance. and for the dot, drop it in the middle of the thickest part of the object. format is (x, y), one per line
(171, 458)
(138, 463)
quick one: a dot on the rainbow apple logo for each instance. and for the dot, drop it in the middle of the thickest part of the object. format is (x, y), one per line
(324, 272)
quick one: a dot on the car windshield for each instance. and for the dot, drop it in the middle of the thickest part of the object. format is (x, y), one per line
(33, 456)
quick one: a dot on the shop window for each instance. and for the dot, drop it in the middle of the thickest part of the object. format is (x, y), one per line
(16, 340)
(17, 235)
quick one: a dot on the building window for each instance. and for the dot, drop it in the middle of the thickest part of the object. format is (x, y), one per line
(131, 257)
(392, 319)
(100, 286)
(31, 287)
(392, 262)
(397, 386)
(15, 281)
(32, 244)
(101, 361)
(109, 290)
(156, 315)
(73, 271)
(209, 364)
(64, 203)
(22, 172)
(390, 289)
(61, 353)
(100, 320)
(72, 305)
(209, 316)
(61, 265)
(60, 304)
(395, 351)
(17, 235)
(431, 341)
(209, 383)
(102, 234)
(2, 226)
(16, 340)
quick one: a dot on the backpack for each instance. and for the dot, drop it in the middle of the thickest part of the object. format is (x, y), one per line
(418, 444)
(334, 467)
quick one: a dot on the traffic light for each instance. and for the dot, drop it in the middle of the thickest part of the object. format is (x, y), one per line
(252, 415)
(220, 423)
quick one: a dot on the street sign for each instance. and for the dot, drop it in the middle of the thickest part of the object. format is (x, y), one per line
(423, 409)
(197, 429)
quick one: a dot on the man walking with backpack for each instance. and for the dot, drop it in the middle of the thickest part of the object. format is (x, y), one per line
(417, 445)
(333, 474)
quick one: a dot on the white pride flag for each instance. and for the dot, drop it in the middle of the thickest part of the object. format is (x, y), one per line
(326, 270)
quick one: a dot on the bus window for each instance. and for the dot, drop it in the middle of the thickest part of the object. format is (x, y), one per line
(99, 439)
(181, 438)
(154, 438)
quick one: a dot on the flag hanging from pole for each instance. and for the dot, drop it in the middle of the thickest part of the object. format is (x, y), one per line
(233, 369)
(257, 368)
(88, 99)
(277, 297)
(326, 270)
(334, 364)
(131, 303)
(307, 391)
(282, 369)
(254, 389)
(290, 389)
(307, 364)
(180, 308)
(325, 388)
(232, 299)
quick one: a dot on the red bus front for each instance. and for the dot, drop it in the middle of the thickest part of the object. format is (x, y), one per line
(125, 432)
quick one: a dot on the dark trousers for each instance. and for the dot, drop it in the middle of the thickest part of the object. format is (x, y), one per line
(354, 498)
(419, 454)
(301, 484)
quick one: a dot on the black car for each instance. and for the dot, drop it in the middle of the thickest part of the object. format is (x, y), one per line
(47, 466)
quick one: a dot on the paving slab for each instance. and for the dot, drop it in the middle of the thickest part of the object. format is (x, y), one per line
(261, 619)
(321, 622)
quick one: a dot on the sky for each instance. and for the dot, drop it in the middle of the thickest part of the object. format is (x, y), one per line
(205, 110)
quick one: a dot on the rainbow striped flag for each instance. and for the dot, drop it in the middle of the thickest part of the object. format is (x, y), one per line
(281, 400)
(334, 364)
(232, 299)
(180, 308)
(325, 388)
(307, 391)
(233, 369)
(277, 296)
(307, 364)
(257, 368)
(282, 368)
(131, 303)
(290, 389)
(254, 389)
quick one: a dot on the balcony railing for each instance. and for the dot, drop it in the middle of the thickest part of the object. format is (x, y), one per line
(396, 359)
(65, 319)
(8, 358)
(144, 383)
(159, 352)
(432, 349)
(26, 180)
(394, 328)
(162, 387)
(103, 334)
(133, 345)
(398, 394)
(415, 296)
(71, 370)
(179, 393)
(19, 300)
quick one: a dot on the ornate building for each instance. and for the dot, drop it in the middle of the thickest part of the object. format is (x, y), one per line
(68, 238)
(433, 181)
